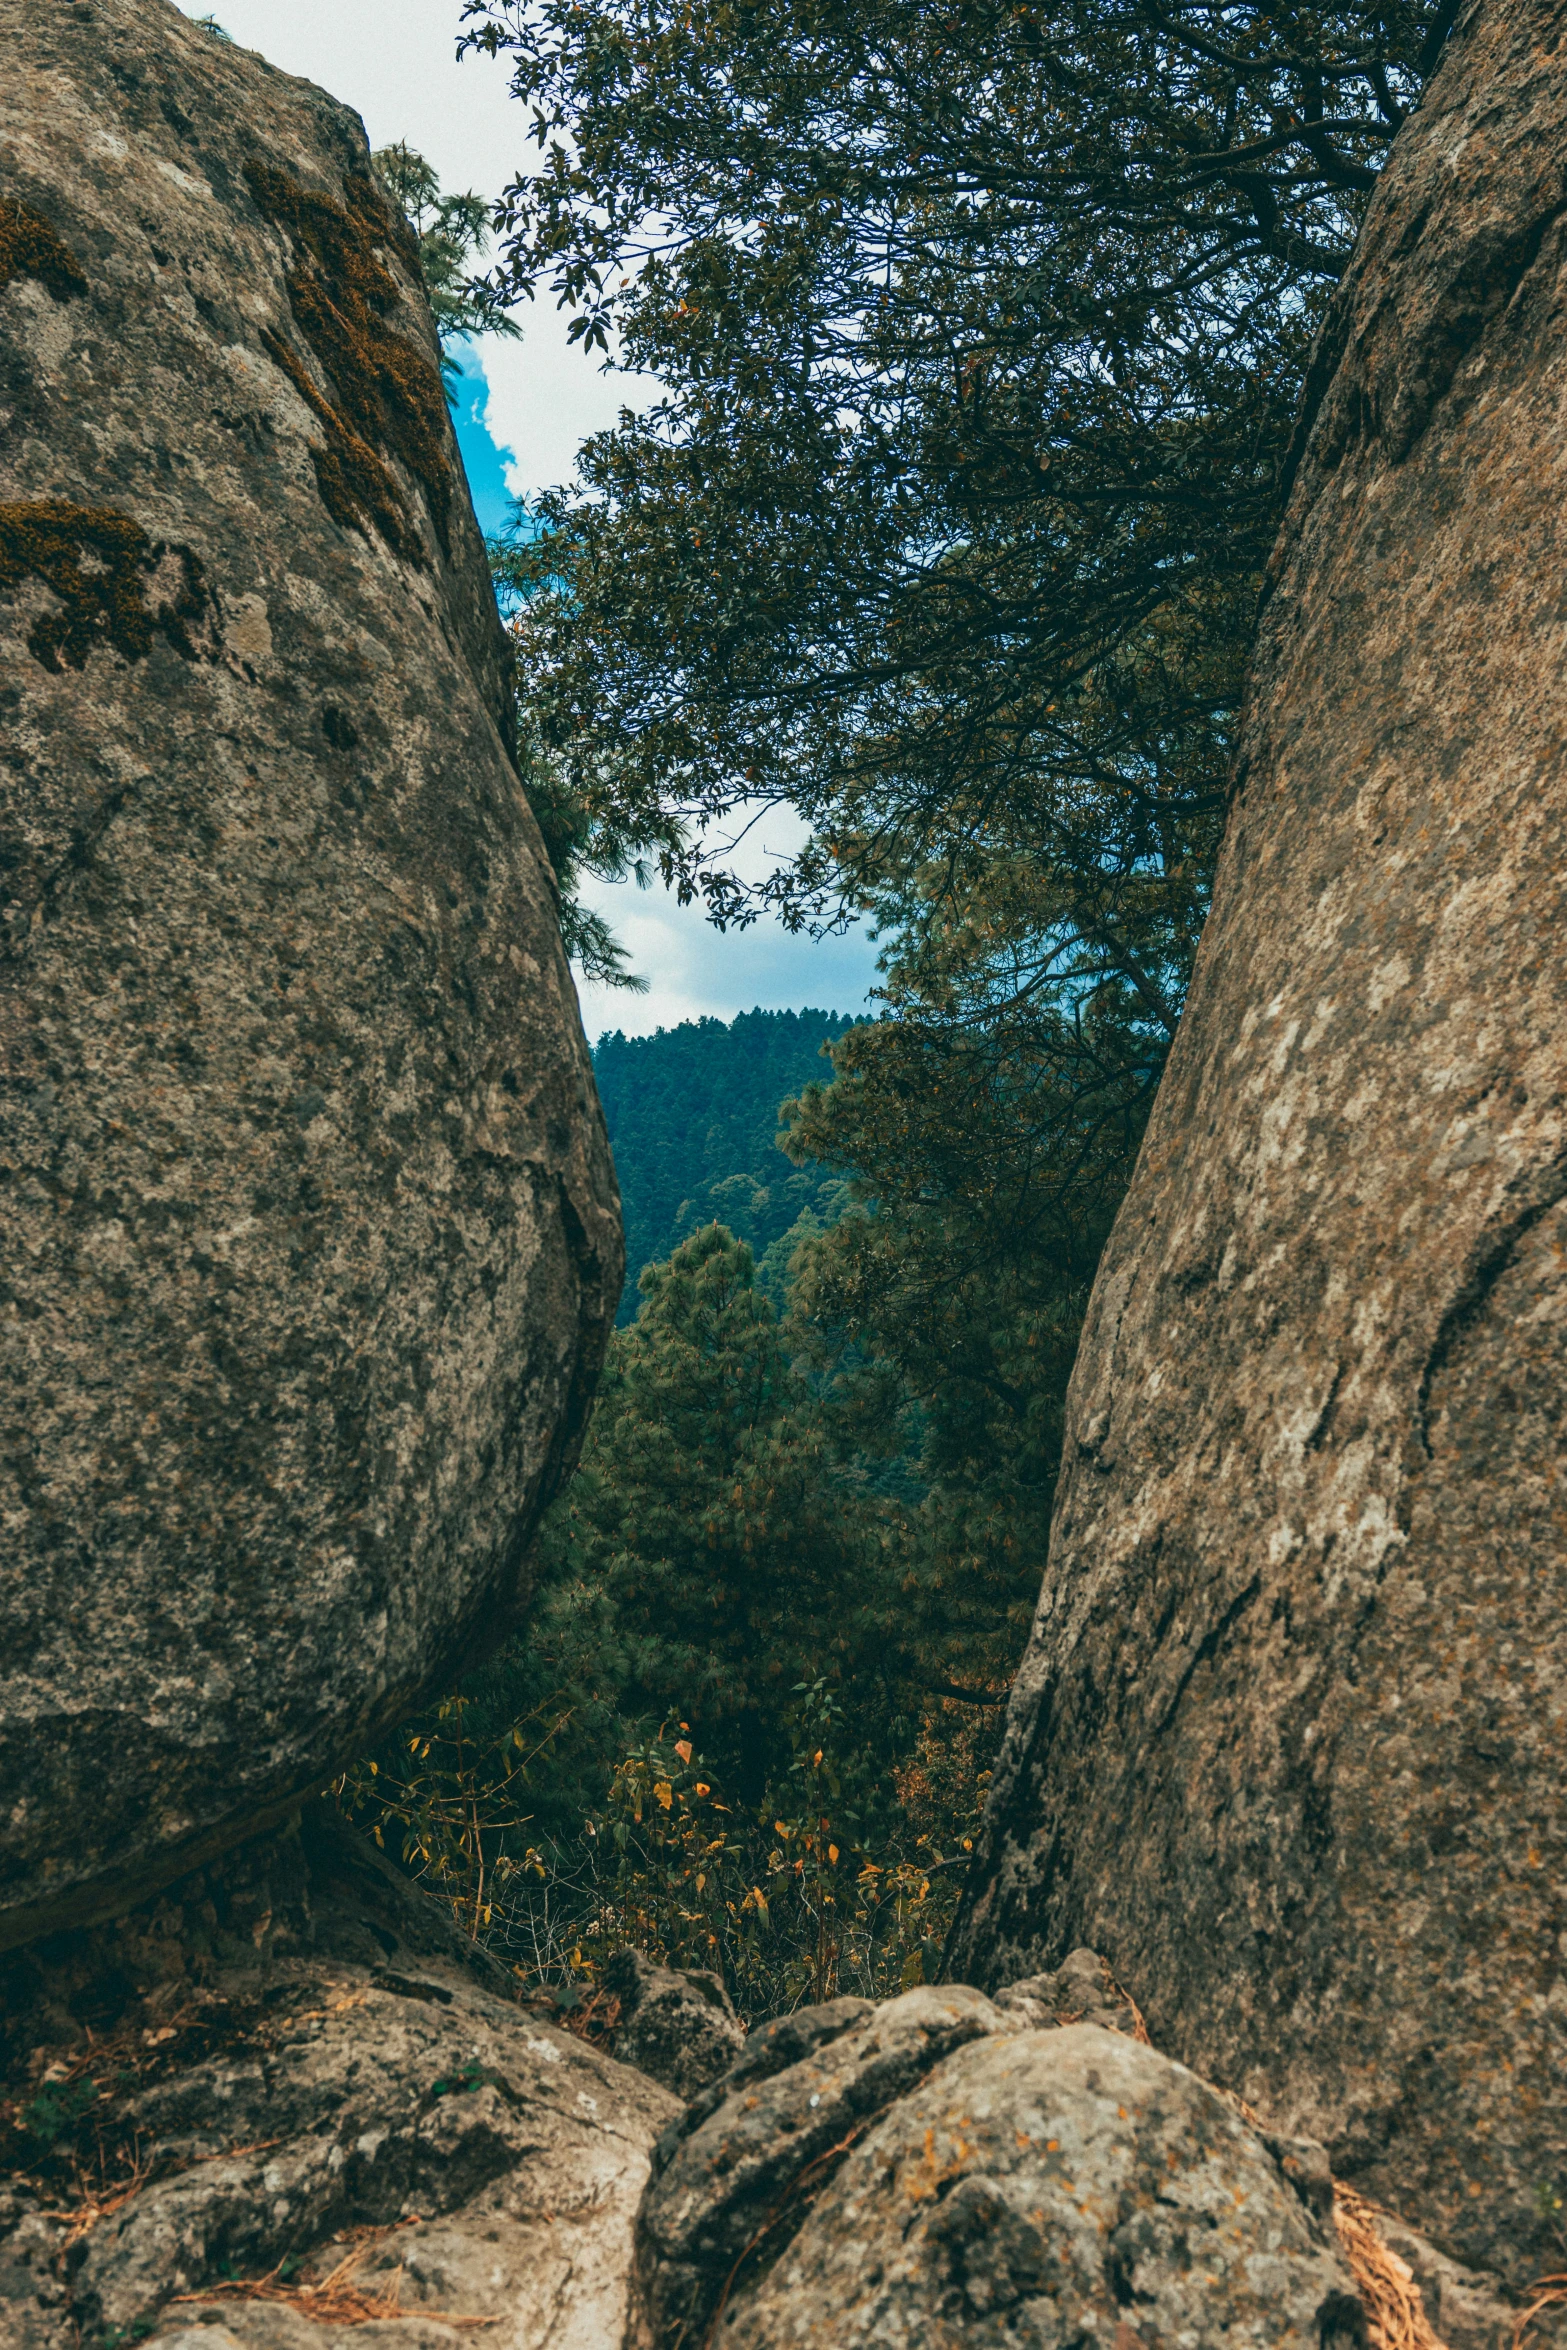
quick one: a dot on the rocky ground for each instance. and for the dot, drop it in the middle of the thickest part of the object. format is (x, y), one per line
(354, 2121)
(287, 2098)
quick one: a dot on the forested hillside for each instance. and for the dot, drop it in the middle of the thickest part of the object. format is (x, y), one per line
(693, 1123)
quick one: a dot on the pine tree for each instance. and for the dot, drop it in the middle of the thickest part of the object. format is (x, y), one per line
(738, 1560)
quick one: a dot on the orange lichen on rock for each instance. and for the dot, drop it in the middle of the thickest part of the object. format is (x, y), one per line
(98, 562)
(387, 393)
(31, 247)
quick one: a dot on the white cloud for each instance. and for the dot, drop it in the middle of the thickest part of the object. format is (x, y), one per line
(695, 971)
(396, 62)
(545, 397)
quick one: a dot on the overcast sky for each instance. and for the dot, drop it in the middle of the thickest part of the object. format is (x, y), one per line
(522, 410)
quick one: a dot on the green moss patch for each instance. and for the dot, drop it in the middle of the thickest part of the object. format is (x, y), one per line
(386, 394)
(98, 562)
(30, 247)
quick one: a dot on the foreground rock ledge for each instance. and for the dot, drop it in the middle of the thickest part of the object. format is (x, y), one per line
(309, 1241)
(940, 2170)
(316, 2104)
(312, 2071)
(1290, 1742)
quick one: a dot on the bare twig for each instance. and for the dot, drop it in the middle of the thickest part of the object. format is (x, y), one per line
(338, 2298)
(1545, 2293)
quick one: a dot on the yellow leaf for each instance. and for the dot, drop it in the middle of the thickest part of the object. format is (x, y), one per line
(664, 1793)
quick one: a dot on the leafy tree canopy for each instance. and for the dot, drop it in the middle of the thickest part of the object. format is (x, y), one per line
(982, 330)
(452, 233)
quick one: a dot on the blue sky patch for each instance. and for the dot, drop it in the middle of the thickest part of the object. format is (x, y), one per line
(484, 461)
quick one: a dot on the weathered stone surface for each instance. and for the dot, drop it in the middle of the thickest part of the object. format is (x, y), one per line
(1288, 1743)
(1041, 2189)
(1465, 2310)
(308, 1233)
(346, 2069)
(735, 2173)
(1081, 1990)
(679, 2025)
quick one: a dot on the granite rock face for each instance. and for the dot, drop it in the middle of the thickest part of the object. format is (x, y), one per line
(1081, 1990)
(1288, 1743)
(735, 2172)
(309, 1240)
(1021, 2188)
(336, 2078)
(676, 2023)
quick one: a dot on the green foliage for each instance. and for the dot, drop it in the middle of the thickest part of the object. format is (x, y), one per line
(583, 837)
(53, 2112)
(693, 1121)
(452, 235)
(473, 2076)
(982, 330)
(714, 1740)
(737, 1559)
(987, 1142)
(811, 1893)
(449, 1790)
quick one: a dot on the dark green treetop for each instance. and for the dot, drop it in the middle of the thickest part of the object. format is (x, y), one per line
(982, 330)
(693, 1121)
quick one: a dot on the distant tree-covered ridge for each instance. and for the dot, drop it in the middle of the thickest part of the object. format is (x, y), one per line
(693, 1122)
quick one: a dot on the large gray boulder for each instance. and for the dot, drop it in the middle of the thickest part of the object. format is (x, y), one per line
(309, 1240)
(939, 2174)
(1287, 1744)
(727, 2176)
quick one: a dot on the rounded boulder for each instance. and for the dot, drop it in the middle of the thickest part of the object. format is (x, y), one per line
(309, 1238)
(1046, 2189)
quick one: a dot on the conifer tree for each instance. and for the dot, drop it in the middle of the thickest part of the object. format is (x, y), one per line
(739, 1562)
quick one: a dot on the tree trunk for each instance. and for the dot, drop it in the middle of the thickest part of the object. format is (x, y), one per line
(1287, 1744)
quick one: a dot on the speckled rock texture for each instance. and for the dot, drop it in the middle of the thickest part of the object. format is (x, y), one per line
(328, 2075)
(309, 1240)
(1081, 1990)
(676, 2023)
(1288, 1742)
(735, 2175)
(1026, 2190)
